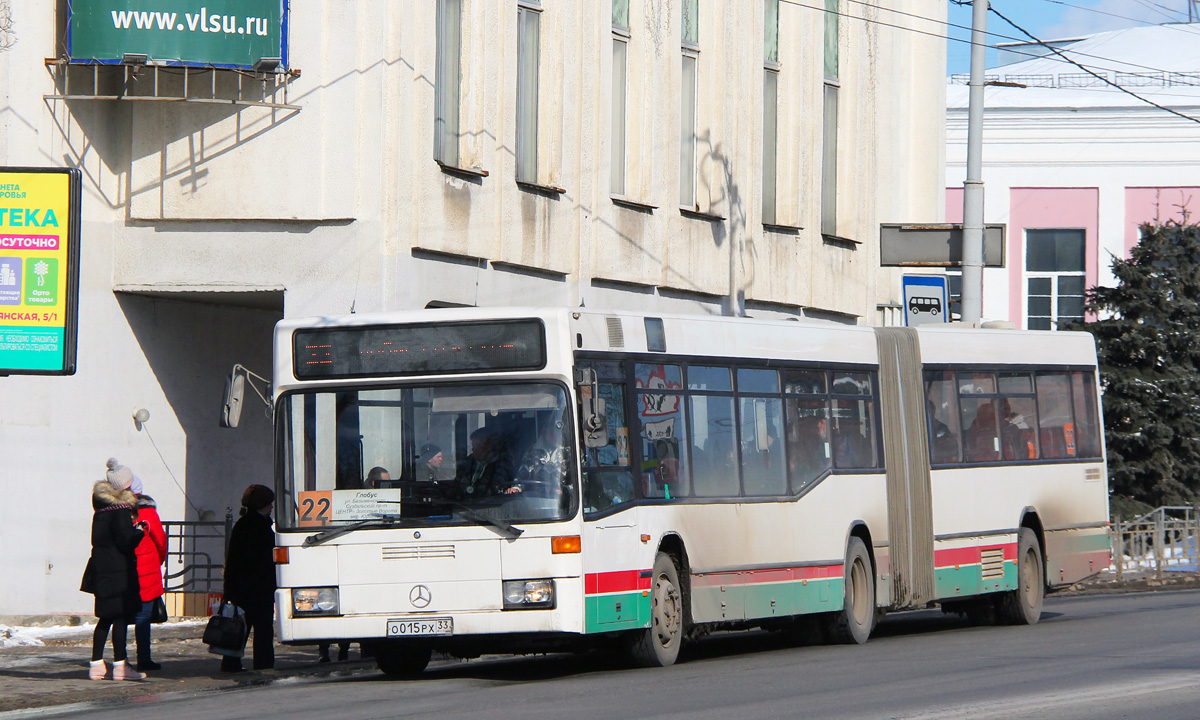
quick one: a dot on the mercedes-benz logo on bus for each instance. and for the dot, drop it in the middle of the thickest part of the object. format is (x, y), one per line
(420, 596)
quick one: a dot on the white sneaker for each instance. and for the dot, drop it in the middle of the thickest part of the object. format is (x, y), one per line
(124, 671)
(97, 670)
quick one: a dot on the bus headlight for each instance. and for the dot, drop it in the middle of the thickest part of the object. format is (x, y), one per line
(315, 601)
(528, 594)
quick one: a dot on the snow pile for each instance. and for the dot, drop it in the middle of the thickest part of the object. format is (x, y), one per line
(18, 636)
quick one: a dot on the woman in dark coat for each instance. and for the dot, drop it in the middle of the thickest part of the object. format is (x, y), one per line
(250, 575)
(111, 573)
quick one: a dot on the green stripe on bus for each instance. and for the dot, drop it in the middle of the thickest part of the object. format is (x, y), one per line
(965, 580)
(619, 611)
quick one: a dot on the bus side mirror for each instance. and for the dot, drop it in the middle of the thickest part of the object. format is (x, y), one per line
(595, 423)
(235, 390)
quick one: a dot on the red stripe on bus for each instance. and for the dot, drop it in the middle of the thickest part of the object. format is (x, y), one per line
(618, 581)
(970, 555)
(767, 575)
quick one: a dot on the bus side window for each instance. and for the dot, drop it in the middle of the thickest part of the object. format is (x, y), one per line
(1055, 419)
(1087, 423)
(941, 407)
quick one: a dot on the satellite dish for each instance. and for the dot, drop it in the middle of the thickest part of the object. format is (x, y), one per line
(235, 389)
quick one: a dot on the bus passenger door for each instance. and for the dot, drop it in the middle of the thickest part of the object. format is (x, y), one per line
(612, 576)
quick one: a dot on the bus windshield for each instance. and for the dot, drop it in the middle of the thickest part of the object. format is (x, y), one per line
(420, 456)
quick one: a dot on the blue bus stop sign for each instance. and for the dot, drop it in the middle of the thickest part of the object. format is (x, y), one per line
(925, 299)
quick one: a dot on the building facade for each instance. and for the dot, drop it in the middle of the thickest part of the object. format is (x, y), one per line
(1076, 158)
(700, 156)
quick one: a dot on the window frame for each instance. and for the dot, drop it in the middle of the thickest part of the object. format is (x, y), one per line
(1070, 371)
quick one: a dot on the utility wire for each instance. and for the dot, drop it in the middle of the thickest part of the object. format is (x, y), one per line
(1089, 70)
(168, 467)
(961, 27)
(1110, 14)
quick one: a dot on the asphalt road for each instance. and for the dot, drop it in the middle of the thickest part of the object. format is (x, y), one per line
(1107, 656)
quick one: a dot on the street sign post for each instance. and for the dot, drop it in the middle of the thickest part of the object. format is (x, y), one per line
(925, 299)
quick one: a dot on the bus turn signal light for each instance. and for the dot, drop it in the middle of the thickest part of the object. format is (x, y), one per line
(565, 544)
(281, 556)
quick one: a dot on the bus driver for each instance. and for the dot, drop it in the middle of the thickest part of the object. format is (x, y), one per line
(486, 471)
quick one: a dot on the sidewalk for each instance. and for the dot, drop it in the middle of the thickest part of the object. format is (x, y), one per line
(55, 673)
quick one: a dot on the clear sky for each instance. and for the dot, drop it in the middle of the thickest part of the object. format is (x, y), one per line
(1055, 19)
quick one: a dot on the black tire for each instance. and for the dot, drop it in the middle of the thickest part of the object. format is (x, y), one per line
(855, 621)
(658, 645)
(1023, 606)
(399, 661)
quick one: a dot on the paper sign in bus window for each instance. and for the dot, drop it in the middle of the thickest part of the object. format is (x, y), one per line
(10, 281)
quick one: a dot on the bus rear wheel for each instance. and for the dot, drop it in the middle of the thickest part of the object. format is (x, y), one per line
(854, 623)
(400, 662)
(1023, 606)
(658, 645)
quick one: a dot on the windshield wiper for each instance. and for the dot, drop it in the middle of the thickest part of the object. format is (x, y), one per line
(328, 535)
(485, 520)
(478, 517)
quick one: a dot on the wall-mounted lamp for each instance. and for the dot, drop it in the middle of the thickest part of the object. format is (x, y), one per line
(135, 59)
(140, 416)
(267, 64)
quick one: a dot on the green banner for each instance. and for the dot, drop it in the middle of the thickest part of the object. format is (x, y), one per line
(200, 32)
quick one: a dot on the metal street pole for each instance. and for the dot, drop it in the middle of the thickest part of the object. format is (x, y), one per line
(972, 250)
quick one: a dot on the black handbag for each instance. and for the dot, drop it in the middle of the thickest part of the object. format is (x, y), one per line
(158, 612)
(225, 634)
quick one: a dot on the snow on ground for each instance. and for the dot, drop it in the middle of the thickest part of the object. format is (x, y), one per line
(34, 636)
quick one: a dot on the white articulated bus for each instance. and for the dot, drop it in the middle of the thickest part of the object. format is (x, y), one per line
(515, 480)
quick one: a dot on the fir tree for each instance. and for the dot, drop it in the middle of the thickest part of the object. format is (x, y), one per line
(1148, 342)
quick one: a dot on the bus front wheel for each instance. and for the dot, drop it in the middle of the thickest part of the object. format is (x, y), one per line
(400, 661)
(853, 624)
(658, 645)
(1023, 606)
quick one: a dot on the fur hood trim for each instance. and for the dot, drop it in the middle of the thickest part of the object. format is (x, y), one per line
(145, 501)
(105, 495)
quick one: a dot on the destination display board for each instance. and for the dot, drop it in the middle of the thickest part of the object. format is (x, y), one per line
(39, 270)
(426, 349)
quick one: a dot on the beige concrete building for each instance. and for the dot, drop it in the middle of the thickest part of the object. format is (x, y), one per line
(710, 156)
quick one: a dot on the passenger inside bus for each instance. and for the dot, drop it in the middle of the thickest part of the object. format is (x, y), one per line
(982, 443)
(808, 454)
(487, 471)
(542, 470)
(429, 463)
(943, 442)
(378, 478)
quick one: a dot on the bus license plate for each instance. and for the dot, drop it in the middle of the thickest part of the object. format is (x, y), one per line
(420, 626)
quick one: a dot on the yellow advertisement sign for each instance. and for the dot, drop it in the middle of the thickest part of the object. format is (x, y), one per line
(39, 251)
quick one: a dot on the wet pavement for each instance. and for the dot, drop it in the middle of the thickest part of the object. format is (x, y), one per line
(35, 678)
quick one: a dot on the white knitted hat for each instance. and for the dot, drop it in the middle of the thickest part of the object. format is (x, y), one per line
(119, 476)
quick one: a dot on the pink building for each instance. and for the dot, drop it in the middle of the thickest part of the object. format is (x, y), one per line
(1075, 162)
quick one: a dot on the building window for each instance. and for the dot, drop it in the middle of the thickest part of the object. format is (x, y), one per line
(1055, 277)
(446, 87)
(690, 40)
(620, 30)
(770, 107)
(829, 141)
(528, 55)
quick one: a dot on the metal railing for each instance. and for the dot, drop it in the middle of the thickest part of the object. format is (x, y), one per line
(1161, 541)
(196, 554)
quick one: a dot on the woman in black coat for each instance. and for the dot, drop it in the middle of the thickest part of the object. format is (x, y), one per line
(250, 575)
(111, 573)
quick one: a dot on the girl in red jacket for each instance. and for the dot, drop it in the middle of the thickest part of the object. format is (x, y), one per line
(151, 554)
